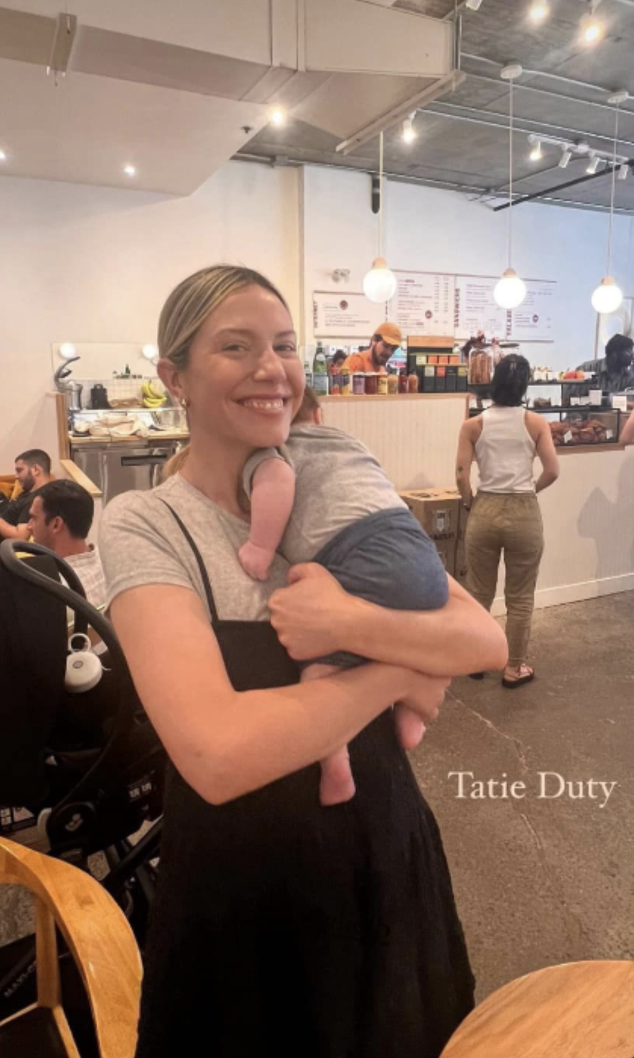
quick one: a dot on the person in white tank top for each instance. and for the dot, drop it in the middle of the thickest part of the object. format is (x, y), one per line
(505, 517)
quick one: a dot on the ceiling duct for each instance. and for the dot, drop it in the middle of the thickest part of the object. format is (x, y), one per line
(152, 87)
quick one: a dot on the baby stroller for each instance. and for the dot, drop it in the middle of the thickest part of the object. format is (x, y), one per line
(89, 767)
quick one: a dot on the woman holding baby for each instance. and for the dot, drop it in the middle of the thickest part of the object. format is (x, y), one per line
(281, 926)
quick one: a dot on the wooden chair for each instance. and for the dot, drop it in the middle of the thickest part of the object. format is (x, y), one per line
(578, 1010)
(103, 948)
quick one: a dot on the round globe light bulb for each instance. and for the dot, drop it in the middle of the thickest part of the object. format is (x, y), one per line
(510, 290)
(150, 352)
(67, 350)
(607, 297)
(379, 284)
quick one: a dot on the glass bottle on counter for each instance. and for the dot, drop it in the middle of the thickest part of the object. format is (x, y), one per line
(402, 381)
(392, 383)
(358, 384)
(320, 371)
(412, 383)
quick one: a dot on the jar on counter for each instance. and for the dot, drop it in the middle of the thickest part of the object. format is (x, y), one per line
(344, 383)
(371, 383)
(480, 366)
(402, 382)
(381, 385)
(412, 383)
(392, 384)
(358, 383)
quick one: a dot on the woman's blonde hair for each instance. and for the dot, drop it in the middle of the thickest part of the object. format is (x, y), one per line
(192, 301)
(185, 311)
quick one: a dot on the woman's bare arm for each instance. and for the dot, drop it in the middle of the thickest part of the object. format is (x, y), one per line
(315, 616)
(464, 460)
(627, 433)
(227, 743)
(546, 451)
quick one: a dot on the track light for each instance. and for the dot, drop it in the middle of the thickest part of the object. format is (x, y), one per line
(624, 171)
(536, 153)
(593, 164)
(473, 5)
(591, 28)
(538, 11)
(566, 155)
(409, 132)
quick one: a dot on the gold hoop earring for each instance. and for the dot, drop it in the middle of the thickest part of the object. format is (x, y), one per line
(184, 403)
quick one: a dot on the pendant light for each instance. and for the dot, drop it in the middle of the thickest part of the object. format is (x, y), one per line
(607, 297)
(379, 284)
(510, 290)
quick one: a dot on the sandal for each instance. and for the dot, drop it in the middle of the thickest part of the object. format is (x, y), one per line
(519, 681)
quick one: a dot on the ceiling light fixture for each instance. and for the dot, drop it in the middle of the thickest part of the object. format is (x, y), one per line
(409, 132)
(129, 170)
(607, 297)
(67, 350)
(592, 29)
(566, 155)
(473, 5)
(510, 290)
(3, 156)
(538, 11)
(624, 171)
(277, 117)
(593, 164)
(150, 351)
(379, 284)
(536, 153)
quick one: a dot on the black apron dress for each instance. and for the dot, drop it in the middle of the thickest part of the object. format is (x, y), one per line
(281, 928)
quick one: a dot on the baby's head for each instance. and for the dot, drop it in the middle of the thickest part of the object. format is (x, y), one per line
(309, 410)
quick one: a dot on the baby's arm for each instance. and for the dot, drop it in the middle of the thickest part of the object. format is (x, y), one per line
(272, 497)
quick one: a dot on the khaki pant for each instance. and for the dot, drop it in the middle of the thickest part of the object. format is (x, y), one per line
(509, 523)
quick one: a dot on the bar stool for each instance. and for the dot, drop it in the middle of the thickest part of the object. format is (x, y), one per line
(577, 1010)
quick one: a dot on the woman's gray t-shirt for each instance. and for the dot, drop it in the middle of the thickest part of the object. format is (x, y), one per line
(140, 543)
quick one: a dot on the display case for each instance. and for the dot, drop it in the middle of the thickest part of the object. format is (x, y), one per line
(583, 426)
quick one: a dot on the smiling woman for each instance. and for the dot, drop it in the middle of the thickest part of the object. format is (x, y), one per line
(280, 927)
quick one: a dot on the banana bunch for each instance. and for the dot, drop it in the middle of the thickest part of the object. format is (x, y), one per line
(152, 397)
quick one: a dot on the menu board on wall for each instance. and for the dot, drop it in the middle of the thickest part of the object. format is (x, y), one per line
(345, 315)
(476, 309)
(533, 320)
(423, 303)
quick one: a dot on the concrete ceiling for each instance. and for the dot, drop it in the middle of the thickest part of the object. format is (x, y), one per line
(462, 140)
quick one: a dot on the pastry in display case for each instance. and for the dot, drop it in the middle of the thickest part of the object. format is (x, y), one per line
(586, 427)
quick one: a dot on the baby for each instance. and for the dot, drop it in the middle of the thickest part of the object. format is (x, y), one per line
(324, 498)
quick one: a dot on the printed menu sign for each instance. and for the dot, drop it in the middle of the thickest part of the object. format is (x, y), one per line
(476, 310)
(533, 320)
(423, 303)
(344, 315)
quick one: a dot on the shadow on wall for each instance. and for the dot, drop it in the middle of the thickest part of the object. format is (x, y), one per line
(611, 525)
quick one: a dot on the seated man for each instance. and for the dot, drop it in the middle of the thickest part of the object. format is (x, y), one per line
(33, 470)
(61, 515)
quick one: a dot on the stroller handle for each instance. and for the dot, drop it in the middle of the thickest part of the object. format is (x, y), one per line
(76, 601)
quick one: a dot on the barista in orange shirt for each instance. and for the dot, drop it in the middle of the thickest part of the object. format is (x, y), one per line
(384, 343)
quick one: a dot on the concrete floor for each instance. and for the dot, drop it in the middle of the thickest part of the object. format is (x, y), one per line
(543, 880)
(537, 881)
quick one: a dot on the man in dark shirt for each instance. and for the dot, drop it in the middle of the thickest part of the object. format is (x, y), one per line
(615, 372)
(32, 469)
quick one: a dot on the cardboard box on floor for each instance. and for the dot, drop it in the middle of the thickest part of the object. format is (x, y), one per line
(438, 511)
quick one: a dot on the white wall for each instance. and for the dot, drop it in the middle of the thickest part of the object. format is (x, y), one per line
(86, 264)
(431, 230)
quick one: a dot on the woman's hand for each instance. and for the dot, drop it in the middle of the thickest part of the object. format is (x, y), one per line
(311, 615)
